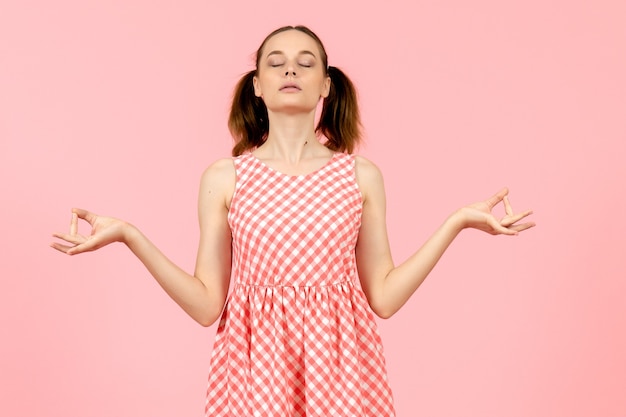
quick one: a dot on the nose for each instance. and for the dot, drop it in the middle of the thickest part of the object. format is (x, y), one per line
(291, 70)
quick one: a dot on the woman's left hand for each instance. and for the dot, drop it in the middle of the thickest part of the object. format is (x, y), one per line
(479, 216)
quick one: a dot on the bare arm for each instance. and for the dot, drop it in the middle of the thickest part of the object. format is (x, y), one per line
(203, 294)
(388, 287)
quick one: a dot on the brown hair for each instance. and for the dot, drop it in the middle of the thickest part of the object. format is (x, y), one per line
(339, 122)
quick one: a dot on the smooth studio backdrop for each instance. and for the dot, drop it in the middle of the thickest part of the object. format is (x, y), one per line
(118, 106)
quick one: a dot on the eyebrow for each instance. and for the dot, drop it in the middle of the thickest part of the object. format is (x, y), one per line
(305, 52)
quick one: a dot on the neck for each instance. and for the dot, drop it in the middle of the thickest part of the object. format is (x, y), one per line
(290, 137)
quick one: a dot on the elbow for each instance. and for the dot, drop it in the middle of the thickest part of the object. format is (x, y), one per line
(383, 311)
(385, 315)
(206, 322)
(208, 318)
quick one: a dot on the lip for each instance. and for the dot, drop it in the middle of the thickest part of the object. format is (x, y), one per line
(290, 87)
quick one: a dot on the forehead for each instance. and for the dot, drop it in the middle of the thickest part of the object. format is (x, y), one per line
(291, 41)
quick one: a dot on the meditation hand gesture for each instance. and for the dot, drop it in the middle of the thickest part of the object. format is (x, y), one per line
(104, 230)
(479, 216)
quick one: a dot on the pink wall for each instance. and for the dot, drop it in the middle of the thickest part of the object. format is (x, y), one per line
(117, 106)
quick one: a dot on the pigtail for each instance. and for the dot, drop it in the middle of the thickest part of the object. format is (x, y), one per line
(248, 121)
(340, 121)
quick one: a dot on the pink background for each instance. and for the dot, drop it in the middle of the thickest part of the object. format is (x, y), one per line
(118, 106)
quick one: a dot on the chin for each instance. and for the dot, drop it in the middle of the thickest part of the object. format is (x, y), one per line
(292, 108)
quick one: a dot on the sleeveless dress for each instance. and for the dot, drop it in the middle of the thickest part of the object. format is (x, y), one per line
(297, 336)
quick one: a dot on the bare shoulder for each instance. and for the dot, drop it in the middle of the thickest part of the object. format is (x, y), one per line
(219, 172)
(365, 167)
(369, 177)
(218, 179)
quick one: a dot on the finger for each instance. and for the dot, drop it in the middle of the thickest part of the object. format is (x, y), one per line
(60, 247)
(85, 215)
(510, 220)
(74, 224)
(507, 206)
(497, 197)
(523, 226)
(509, 232)
(500, 229)
(87, 246)
(75, 239)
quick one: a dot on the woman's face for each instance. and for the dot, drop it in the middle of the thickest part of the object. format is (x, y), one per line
(291, 77)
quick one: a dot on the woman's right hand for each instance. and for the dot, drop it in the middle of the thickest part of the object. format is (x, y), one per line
(104, 230)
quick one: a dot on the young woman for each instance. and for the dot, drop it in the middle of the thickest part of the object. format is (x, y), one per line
(287, 223)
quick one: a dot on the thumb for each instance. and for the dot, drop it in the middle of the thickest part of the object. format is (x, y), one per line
(497, 197)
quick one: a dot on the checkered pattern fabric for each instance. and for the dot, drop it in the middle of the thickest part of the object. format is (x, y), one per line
(297, 337)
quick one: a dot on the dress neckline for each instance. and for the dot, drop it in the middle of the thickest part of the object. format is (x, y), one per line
(315, 171)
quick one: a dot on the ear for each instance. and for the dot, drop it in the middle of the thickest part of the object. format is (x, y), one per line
(257, 87)
(326, 87)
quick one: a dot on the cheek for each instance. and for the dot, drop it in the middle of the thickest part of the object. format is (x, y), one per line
(263, 84)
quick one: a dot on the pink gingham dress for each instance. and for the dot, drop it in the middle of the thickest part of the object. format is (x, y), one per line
(297, 336)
